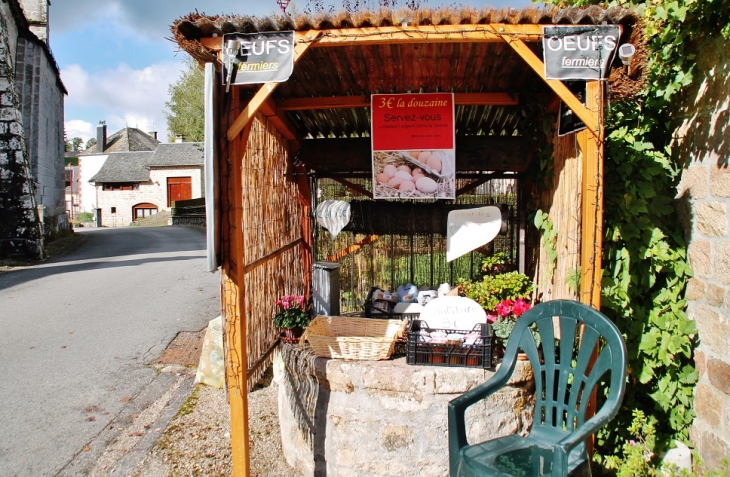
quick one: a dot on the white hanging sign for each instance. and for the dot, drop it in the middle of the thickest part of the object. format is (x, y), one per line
(333, 215)
(469, 229)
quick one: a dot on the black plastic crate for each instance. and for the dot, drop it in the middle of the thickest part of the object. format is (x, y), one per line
(422, 352)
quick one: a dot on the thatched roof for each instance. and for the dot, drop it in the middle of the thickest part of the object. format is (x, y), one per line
(361, 69)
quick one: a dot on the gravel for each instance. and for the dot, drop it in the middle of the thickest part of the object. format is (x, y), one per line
(197, 441)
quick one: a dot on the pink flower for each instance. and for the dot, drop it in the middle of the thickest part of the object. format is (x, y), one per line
(504, 308)
(632, 442)
(300, 300)
(491, 318)
(520, 306)
(285, 304)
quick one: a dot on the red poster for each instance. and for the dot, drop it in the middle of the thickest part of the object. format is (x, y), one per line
(413, 146)
(403, 122)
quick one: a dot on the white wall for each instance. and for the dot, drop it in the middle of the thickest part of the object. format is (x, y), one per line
(89, 166)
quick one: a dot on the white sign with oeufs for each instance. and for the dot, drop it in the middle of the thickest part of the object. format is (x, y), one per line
(453, 313)
(264, 57)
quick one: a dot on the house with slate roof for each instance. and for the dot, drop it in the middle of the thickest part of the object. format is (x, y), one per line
(133, 185)
(92, 159)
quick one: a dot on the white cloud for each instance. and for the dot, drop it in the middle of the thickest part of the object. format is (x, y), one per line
(79, 128)
(128, 97)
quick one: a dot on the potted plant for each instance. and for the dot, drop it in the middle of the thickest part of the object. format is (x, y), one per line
(508, 311)
(292, 317)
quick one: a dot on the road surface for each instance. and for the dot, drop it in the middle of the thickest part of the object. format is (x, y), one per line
(78, 333)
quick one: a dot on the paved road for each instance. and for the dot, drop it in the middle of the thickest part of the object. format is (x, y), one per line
(77, 334)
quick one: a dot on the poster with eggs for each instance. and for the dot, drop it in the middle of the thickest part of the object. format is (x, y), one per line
(413, 139)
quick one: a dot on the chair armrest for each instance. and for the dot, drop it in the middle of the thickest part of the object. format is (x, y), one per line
(585, 430)
(459, 405)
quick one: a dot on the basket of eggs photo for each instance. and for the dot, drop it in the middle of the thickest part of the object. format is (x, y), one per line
(413, 174)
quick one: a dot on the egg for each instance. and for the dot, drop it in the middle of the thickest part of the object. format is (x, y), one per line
(395, 181)
(423, 156)
(426, 185)
(390, 169)
(434, 162)
(414, 154)
(406, 176)
(407, 186)
(418, 172)
(404, 168)
(382, 178)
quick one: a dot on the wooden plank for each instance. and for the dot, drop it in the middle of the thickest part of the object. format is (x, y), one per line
(278, 118)
(260, 97)
(352, 248)
(251, 266)
(472, 185)
(591, 146)
(412, 34)
(588, 118)
(354, 187)
(337, 102)
(237, 359)
(473, 154)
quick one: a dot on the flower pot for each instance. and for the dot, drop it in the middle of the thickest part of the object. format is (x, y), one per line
(291, 335)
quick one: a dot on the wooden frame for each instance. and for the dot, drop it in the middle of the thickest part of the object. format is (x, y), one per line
(233, 287)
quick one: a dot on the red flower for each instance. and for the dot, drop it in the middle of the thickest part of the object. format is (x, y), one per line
(520, 306)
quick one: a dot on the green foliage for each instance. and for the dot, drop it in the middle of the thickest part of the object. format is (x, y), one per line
(186, 115)
(645, 256)
(292, 312)
(497, 284)
(85, 217)
(549, 238)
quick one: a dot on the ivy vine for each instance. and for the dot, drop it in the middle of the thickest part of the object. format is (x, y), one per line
(645, 255)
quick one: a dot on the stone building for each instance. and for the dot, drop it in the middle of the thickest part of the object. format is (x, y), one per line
(133, 185)
(32, 205)
(703, 142)
(92, 159)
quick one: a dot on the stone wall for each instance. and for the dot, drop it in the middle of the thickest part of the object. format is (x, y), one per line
(20, 233)
(703, 142)
(385, 418)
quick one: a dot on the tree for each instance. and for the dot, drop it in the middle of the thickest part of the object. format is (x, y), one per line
(91, 142)
(185, 115)
(74, 144)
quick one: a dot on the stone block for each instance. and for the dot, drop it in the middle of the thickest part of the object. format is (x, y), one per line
(715, 295)
(708, 404)
(721, 259)
(699, 258)
(694, 182)
(718, 372)
(695, 289)
(712, 448)
(713, 330)
(711, 219)
(719, 181)
(700, 363)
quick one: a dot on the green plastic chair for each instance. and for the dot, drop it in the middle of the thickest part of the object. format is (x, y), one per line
(555, 445)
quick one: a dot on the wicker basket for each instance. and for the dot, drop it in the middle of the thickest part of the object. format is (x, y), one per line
(344, 337)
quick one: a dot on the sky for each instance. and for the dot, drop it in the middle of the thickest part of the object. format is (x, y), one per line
(117, 61)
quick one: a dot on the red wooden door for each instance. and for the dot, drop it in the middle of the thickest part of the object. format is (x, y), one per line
(179, 188)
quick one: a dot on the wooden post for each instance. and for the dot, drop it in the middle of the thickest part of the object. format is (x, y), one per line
(591, 145)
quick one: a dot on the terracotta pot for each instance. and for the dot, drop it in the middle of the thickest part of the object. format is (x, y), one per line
(291, 335)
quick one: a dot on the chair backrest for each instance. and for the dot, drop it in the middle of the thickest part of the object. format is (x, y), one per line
(564, 380)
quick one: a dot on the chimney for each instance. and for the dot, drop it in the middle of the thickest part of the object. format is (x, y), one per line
(36, 12)
(153, 134)
(179, 138)
(101, 137)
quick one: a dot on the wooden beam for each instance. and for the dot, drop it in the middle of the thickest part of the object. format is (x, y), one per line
(591, 146)
(472, 185)
(473, 154)
(260, 97)
(411, 34)
(236, 329)
(338, 102)
(588, 118)
(352, 248)
(354, 187)
(280, 121)
(276, 253)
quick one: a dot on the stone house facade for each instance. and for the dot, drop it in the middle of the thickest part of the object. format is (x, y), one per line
(92, 159)
(32, 206)
(130, 186)
(703, 142)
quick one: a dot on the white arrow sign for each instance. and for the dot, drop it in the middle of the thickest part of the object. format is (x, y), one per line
(469, 229)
